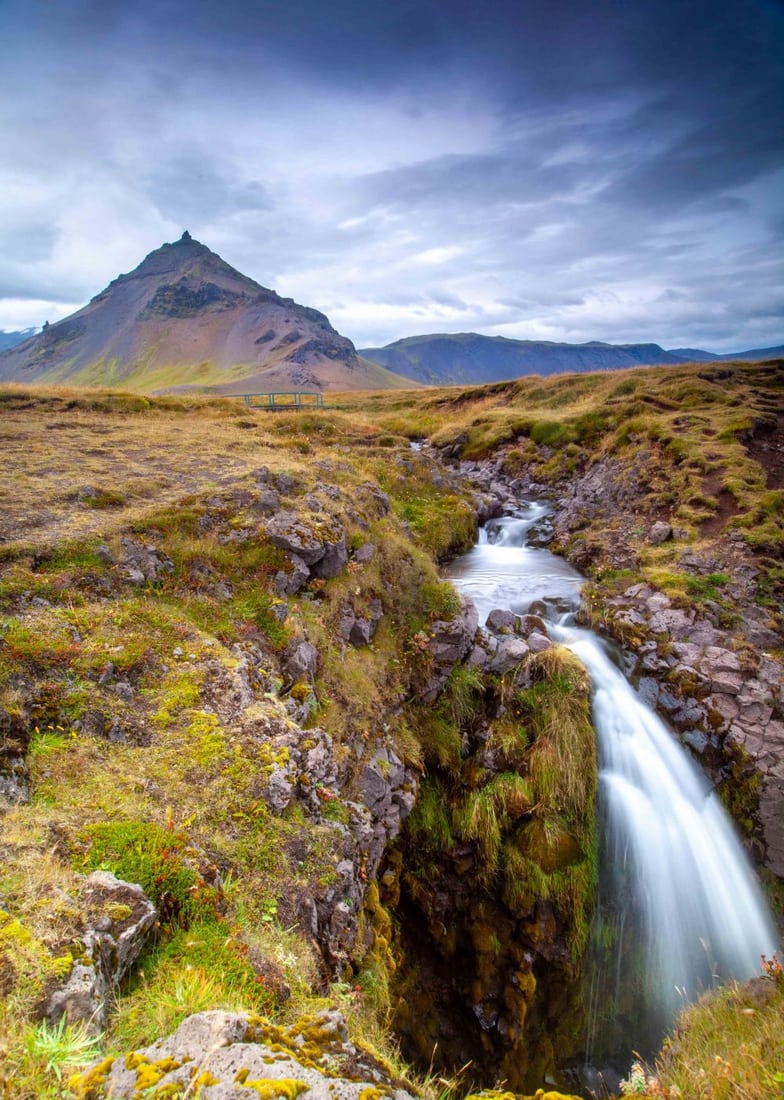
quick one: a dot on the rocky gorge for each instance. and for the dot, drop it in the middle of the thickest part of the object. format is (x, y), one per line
(258, 714)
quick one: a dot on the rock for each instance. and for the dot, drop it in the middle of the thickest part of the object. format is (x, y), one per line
(501, 621)
(120, 918)
(659, 533)
(760, 628)
(142, 563)
(268, 502)
(696, 740)
(674, 622)
(364, 553)
(364, 629)
(288, 584)
(285, 483)
(378, 500)
(388, 790)
(510, 652)
(537, 641)
(334, 559)
(301, 662)
(290, 533)
(233, 1052)
(14, 781)
(15, 731)
(452, 639)
(527, 624)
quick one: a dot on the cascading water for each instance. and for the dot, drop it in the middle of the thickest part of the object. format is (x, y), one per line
(678, 903)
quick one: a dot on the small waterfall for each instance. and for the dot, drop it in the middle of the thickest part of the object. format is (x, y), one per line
(679, 906)
(673, 867)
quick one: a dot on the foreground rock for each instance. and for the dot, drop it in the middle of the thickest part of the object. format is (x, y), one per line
(228, 1056)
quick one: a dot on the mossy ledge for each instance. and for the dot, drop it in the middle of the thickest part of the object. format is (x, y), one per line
(493, 878)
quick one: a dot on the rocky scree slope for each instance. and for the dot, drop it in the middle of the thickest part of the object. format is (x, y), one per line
(186, 318)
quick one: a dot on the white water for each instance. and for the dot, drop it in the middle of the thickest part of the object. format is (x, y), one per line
(674, 873)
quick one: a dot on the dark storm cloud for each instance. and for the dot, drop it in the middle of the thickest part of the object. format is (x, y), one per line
(563, 170)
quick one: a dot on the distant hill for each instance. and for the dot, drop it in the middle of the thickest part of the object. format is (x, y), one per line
(695, 355)
(756, 355)
(444, 359)
(11, 339)
(185, 319)
(468, 357)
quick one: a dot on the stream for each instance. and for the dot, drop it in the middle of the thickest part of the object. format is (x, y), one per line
(678, 905)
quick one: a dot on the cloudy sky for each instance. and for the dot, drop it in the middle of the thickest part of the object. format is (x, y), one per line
(542, 169)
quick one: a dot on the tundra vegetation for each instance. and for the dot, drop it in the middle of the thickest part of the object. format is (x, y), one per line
(150, 694)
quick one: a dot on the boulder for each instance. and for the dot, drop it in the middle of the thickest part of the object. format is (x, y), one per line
(660, 532)
(301, 662)
(334, 559)
(290, 533)
(288, 584)
(501, 621)
(120, 919)
(510, 652)
(228, 1055)
(451, 640)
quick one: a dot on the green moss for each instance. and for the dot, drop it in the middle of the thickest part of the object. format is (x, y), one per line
(429, 822)
(153, 857)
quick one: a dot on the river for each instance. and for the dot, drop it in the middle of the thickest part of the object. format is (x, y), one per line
(679, 907)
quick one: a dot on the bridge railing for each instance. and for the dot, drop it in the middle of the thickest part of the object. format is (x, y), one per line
(285, 400)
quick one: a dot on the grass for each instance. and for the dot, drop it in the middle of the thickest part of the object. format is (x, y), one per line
(728, 1046)
(177, 803)
(675, 427)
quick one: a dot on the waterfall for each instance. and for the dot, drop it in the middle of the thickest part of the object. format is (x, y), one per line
(675, 883)
(672, 863)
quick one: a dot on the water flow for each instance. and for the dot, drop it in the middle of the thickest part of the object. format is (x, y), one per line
(674, 871)
(679, 903)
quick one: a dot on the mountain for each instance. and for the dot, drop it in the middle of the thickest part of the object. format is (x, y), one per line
(695, 355)
(442, 359)
(756, 355)
(184, 319)
(11, 339)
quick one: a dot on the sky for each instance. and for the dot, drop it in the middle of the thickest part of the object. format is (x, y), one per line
(558, 170)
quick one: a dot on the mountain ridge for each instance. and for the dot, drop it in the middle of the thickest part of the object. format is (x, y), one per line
(469, 357)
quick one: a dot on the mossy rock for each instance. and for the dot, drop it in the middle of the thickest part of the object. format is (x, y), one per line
(552, 847)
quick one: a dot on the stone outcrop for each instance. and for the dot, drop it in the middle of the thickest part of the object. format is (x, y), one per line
(319, 543)
(230, 1056)
(449, 644)
(721, 697)
(144, 563)
(120, 919)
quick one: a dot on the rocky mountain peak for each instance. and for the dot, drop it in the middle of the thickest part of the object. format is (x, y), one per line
(184, 318)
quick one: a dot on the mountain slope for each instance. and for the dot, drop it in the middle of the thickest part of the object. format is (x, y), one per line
(469, 357)
(444, 358)
(185, 319)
